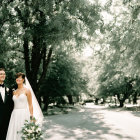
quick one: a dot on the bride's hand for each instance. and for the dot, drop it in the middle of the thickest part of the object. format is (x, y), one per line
(32, 119)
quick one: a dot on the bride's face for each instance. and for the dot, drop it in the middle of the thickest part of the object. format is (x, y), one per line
(19, 80)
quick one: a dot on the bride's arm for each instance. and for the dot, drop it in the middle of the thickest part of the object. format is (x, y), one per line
(29, 97)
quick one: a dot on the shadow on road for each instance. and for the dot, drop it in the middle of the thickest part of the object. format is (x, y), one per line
(84, 125)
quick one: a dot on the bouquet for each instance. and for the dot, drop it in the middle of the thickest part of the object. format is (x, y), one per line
(31, 131)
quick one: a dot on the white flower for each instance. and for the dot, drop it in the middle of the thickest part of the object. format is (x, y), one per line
(38, 130)
(33, 128)
(30, 131)
(7, 89)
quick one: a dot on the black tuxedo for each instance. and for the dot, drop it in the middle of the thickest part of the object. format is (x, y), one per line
(6, 108)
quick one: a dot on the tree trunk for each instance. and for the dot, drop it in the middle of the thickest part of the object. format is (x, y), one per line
(115, 102)
(70, 99)
(121, 103)
(36, 55)
(26, 57)
(96, 101)
(46, 103)
(104, 101)
(135, 98)
(32, 66)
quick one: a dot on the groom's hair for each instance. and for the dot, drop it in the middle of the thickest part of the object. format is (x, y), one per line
(20, 74)
(2, 69)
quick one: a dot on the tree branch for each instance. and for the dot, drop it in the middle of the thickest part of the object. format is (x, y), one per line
(26, 56)
(46, 62)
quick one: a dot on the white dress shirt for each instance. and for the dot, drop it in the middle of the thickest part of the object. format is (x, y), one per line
(2, 92)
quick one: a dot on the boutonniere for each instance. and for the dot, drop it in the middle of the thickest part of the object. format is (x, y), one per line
(7, 89)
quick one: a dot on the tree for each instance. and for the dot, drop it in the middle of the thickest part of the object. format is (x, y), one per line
(39, 27)
(118, 55)
(64, 78)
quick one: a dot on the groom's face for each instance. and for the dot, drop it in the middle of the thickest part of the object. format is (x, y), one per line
(2, 75)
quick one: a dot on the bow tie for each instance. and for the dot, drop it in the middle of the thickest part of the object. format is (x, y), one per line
(1, 85)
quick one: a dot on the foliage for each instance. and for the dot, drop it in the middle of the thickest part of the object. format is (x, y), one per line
(64, 78)
(118, 57)
(36, 32)
(32, 30)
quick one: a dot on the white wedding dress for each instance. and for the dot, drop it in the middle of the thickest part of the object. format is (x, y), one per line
(18, 117)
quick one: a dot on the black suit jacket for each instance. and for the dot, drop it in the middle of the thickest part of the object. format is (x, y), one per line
(6, 108)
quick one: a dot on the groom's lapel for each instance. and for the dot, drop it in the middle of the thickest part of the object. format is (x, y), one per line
(5, 95)
(1, 98)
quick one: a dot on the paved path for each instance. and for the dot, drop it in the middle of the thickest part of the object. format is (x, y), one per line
(93, 123)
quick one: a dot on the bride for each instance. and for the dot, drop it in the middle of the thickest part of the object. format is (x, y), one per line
(25, 108)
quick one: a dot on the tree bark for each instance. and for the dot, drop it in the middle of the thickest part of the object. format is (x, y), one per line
(121, 103)
(70, 99)
(46, 103)
(96, 101)
(135, 98)
(26, 57)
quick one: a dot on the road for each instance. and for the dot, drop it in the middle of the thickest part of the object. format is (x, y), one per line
(93, 123)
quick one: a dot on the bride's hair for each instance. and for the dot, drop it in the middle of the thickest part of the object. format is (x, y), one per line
(2, 69)
(20, 74)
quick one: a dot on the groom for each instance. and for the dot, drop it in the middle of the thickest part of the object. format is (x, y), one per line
(6, 105)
